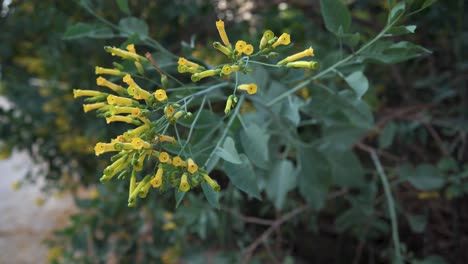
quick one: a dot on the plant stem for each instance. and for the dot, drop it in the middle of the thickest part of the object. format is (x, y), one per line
(390, 204)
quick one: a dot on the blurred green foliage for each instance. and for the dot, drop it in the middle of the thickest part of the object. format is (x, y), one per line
(310, 160)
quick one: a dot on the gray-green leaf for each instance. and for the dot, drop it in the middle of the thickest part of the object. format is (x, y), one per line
(282, 180)
(336, 15)
(210, 195)
(123, 6)
(83, 30)
(358, 82)
(132, 25)
(243, 176)
(229, 152)
(254, 139)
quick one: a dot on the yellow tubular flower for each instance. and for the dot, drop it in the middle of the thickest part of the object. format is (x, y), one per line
(101, 70)
(101, 81)
(113, 168)
(135, 132)
(183, 69)
(226, 70)
(90, 107)
(157, 180)
(240, 46)
(125, 54)
(191, 166)
(164, 138)
(184, 185)
(79, 93)
(267, 35)
(131, 48)
(284, 39)
(138, 93)
(303, 64)
(222, 48)
(129, 80)
(228, 107)
(103, 148)
(222, 33)
(169, 110)
(160, 95)
(164, 157)
(139, 143)
(214, 185)
(117, 118)
(251, 88)
(235, 68)
(169, 226)
(178, 162)
(140, 161)
(198, 76)
(185, 62)
(117, 100)
(299, 55)
(248, 50)
(115, 110)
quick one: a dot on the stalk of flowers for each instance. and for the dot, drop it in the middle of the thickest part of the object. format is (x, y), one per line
(131, 103)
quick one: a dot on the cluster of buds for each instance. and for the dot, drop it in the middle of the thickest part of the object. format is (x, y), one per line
(130, 103)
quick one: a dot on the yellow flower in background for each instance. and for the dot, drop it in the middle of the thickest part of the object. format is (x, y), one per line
(160, 95)
(169, 110)
(284, 39)
(184, 185)
(16, 186)
(191, 166)
(125, 54)
(251, 88)
(222, 33)
(169, 226)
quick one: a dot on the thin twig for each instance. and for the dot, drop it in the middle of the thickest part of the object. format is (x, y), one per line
(249, 219)
(437, 139)
(278, 222)
(390, 204)
(382, 153)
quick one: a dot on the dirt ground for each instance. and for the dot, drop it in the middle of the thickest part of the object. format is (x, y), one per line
(23, 223)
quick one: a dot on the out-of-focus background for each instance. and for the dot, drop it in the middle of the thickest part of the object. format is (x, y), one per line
(53, 208)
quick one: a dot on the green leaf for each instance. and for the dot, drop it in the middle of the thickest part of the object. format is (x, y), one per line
(388, 52)
(290, 109)
(205, 119)
(229, 152)
(358, 82)
(336, 15)
(396, 12)
(401, 30)
(347, 170)
(425, 177)
(243, 176)
(282, 180)
(83, 30)
(417, 222)
(387, 135)
(123, 6)
(179, 196)
(254, 140)
(428, 3)
(132, 25)
(314, 178)
(210, 195)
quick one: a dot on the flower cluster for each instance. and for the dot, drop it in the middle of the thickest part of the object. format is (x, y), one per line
(240, 55)
(130, 103)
